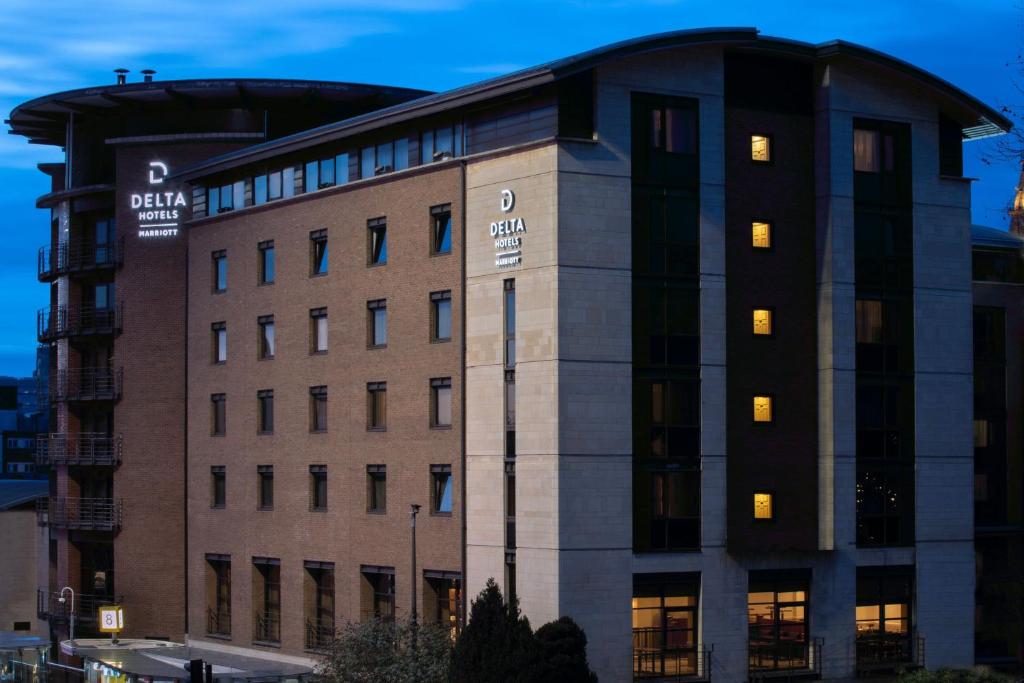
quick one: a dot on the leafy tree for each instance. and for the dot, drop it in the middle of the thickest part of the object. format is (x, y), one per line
(561, 654)
(497, 644)
(946, 675)
(379, 651)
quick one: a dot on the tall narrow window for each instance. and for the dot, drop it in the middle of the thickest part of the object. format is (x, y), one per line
(265, 402)
(341, 168)
(764, 507)
(266, 337)
(318, 487)
(318, 409)
(259, 189)
(218, 422)
(218, 486)
(441, 402)
(441, 229)
(318, 330)
(319, 590)
(665, 625)
(763, 409)
(763, 321)
(442, 599)
(378, 593)
(266, 600)
(275, 185)
(866, 156)
(267, 264)
(441, 489)
(510, 323)
(884, 617)
(318, 252)
(761, 232)
(777, 611)
(377, 235)
(377, 402)
(761, 148)
(377, 322)
(265, 486)
(376, 488)
(218, 595)
(441, 316)
(510, 505)
(220, 342)
(220, 270)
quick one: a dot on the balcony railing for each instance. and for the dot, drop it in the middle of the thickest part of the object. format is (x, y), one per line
(266, 627)
(654, 660)
(86, 384)
(789, 659)
(888, 652)
(99, 514)
(78, 257)
(58, 322)
(218, 622)
(85, 448)
(319, 636)
(49, 606)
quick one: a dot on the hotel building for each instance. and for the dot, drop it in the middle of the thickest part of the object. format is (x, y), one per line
(673, 336)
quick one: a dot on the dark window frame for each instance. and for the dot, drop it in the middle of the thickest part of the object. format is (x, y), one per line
(218, 487)
(265, 249)
(376, 406)
(219, 414)
(219, 257)
(436, 299)
(217, 328)
(264, 474)
(436, 385)
(318, 409)
(376, 474)
(318, 253)
(266, 344)
(440, 215)
(315, 315)
(770, 161)
(318, 494)
(372, 307)
(265, 411)
(436, 495)
(377, 242)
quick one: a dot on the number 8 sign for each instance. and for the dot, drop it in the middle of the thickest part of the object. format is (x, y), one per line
(111, 619)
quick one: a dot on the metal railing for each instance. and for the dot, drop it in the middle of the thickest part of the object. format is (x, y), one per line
(218, 622)
(319, 636)
(86, 384)
(266, 627)
(77, 257)
(653, 660)
(101, 514)
(57, 322)
(49, 606)
(84, 448)
(788, 659)
(882, 652)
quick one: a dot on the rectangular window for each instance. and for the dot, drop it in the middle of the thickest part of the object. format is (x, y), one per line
(763, 321)
(441, 229)
(318, 252)
(318, 487)
(441, 143)
(288, 182)
(665, 626)
(441, 316)
(318, 409)
(319, 599)
(259, 190)
(763, 409)
(220, 342)
(510, 323)
(266, 340)
(218, 421)
(378, 593)
(341, 168)
(220, 270)
(367, 162)
(266, 599)
(267, 264)
(777, 609)
(675, 509)
(761, 231)
(441, 489)
(376, 488)
(218, 594)
(377, 402)
(384, 158)
(866, 153)
(274, 185)
(318, 330)
(869, 321)
(763, 506)
(377, 241)
(441, 402)
(377, 322)
(218, 486)
(265, 484)
(761, 148)
(442, 598)
(265, 401)
(884, 617)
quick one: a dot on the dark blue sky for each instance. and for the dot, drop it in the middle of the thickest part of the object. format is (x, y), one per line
(435, 45)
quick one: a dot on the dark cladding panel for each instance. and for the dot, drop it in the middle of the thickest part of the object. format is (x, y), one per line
(764, 83)
(514, 123)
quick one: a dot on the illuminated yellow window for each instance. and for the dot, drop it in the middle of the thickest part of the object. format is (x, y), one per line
(762, 409)
(760, 148)
(762, 321)
(762, 234)
(763, 508)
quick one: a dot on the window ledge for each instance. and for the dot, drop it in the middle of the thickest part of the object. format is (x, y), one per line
(441, 341)
(376, 429)
(440, 514)
(441, 428)
(960, 178)
(377, 512)
(219, 636)
(267, 643)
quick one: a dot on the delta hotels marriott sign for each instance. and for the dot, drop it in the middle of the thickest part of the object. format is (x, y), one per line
(508, 235)
(160, 210)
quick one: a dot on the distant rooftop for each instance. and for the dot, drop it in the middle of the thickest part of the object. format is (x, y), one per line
(994, 238)
(15, 492)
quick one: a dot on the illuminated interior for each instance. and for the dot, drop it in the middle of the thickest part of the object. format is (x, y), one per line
(762, 321)
(762, 234)
(763, 508)
(760, 148)
(762, 409)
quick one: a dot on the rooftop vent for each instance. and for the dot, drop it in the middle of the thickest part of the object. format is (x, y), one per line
(122, 76)
(147, 75)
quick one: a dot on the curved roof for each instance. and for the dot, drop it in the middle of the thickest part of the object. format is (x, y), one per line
(15, 492)
(42, 120)
(978, 119)
(994, 238)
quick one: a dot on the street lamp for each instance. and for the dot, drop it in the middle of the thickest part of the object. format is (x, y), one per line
(61, 600)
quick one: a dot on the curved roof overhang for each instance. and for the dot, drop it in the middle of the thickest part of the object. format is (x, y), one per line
(43, 119)
(977, 118)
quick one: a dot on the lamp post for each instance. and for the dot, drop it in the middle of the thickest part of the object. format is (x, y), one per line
(71, 629)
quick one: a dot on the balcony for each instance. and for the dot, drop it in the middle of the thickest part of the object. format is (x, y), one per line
(785, 659)
(78, 258)
(86, 384)
(59, 322)
(266, 627)
(218, 622)
(89, 514)
(83, 449)
(319, 636)
(49, 606)
(653, 660)
(887, 653)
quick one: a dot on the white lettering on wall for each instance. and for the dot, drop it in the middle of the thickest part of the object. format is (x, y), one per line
(508, 235)
(160, 214)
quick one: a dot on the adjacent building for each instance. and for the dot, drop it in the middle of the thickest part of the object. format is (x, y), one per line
(673, 336)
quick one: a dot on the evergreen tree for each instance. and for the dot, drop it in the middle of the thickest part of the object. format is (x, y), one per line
(497, 644)
(561, 654)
